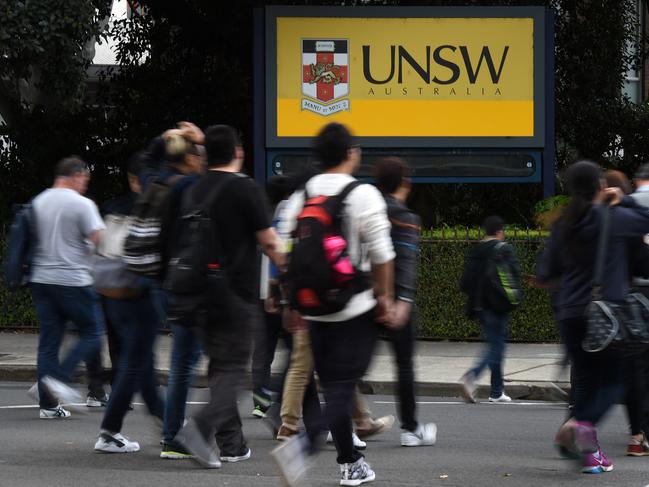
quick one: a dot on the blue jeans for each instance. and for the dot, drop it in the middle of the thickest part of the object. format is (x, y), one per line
(494, 326)
(185, 354)
(137, 323)
(55, 306)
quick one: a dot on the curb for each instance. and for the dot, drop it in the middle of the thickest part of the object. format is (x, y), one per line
(541, 391)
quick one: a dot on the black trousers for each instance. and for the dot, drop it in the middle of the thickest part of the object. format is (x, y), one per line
(637, 388)
(403, 345)
(227, 342)
(597, 379)
(342, 352)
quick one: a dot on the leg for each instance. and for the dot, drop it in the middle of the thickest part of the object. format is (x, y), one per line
(139, 334)
(81, 305)
(94, 373)
(52, 327)
(298, 377)
(185, 354)
(635, 391)
(265, 343)
(342, 354)
(403, 344)
(495, 327)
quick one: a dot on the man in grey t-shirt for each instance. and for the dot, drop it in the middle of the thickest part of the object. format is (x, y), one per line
(68, 225)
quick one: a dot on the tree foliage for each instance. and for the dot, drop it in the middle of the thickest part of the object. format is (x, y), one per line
(192, 59)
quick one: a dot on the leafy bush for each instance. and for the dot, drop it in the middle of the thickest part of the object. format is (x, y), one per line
(441, 305)
(440, 302)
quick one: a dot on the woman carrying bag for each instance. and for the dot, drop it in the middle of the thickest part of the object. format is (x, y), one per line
(571, 260)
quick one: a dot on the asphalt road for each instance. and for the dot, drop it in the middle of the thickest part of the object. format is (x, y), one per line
(478, 445)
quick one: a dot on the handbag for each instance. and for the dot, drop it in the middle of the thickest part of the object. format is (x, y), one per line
(621, 327)
(110, 275)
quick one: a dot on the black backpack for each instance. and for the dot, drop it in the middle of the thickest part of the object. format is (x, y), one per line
(321, 278)
(502, 291)
(20, 247)
(143, 246)
(196, 269)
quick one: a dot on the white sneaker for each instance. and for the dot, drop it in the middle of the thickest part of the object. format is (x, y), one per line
(503, 398)
(61, 391)
(358, 443)
(292, 459)
(55, 413)
(468, 387)
(107, 443)
(356, 473)
(33, 392)
(424, 435)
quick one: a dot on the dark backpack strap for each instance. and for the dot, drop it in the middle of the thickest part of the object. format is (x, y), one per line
(342, 196)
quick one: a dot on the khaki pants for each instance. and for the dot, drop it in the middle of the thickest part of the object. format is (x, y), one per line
(297, 380)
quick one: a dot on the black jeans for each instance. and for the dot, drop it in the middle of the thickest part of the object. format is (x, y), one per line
(94, 366)
(342, 352)
(403, 344)
(137, 323)
(597, 377)
(267, 334)
(637, 388)
(227, 342)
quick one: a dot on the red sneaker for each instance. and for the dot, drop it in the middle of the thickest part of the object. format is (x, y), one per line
(638, 448)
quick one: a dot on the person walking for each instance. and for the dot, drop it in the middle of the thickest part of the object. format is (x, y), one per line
(570, 258)
(392, 176)
(67, 227)
(342, 342)
(493, 317)
(239, 214)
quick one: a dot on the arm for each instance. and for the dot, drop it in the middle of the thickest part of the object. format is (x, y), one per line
(271, 245)
(383, 275)
(95, 236)
(405, 237)
(548, 267)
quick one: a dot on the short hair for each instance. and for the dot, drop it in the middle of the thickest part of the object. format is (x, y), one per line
(389, 173)
(70, 166)
(221, 142)
(332, 144)
(492, 225)
(643, 172)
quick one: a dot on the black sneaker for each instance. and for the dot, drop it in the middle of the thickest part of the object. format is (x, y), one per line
(245, 455)
(175, 452)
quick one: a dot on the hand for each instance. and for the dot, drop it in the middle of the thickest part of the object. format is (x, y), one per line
(167, 134)
(270, 306)
(384, 308)
(535, 282)
(292, 321)
(400, 315)
(192, 133)
(613, 196)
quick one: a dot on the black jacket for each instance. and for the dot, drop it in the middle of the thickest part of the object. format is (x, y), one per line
(628, 221)
(475, 270)
(406, 227)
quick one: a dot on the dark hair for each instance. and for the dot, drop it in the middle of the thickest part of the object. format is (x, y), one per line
(583, 181)
(492, 225)
(643, 172)
(137, 163)
(221, 142)
(617, 179)
(389, 173)
(332, 144)
(70, 166)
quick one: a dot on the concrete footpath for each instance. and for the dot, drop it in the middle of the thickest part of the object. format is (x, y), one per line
(532, 371)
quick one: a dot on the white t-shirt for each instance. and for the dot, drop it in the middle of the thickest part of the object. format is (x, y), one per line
(64, 221)
(365, 226)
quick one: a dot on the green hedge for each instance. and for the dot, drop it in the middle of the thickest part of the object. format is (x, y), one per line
(442, 305)
(440, 302)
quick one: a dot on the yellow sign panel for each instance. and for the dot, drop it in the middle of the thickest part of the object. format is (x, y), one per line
(406, 77)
